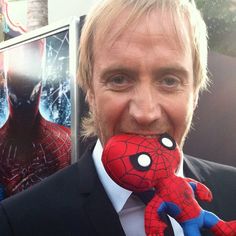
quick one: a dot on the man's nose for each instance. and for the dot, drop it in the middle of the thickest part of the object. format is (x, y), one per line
(145, 106)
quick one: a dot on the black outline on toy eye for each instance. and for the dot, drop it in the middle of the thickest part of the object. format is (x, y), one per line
(165, 135)
(135, 163)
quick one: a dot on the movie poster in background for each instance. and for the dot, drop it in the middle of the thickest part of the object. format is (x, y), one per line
(55, 102)
(4, 112)
(35, 112)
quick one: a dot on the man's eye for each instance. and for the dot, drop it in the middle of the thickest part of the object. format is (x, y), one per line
(118, 82)
(119, 79)
(170, 83)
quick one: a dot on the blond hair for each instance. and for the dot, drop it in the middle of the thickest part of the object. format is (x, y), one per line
(96, 27)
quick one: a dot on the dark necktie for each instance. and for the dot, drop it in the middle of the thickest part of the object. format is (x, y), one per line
(145, 197)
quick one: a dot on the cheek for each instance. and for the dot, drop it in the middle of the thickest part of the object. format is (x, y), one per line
(184, 111)
(109, 110)
(110, 107)
(180, 112)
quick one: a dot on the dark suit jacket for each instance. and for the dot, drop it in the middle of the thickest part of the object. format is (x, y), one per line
(73, 201)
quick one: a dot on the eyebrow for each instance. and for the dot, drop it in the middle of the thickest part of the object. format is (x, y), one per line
(118, 69)
(174, 68)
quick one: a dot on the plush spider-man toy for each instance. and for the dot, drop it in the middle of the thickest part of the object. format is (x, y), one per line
(140, 163)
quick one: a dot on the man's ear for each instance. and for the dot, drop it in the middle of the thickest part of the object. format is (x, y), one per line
(195, 102)
(90, 99)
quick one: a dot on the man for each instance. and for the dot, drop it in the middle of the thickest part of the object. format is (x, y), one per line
(142, 64)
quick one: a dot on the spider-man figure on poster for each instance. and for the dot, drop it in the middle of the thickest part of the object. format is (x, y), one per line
(31, 148)
(140, 163)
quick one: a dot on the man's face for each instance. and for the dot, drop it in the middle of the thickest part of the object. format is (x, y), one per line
(143, 81)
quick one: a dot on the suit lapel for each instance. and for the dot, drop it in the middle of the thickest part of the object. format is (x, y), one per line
(191, 170)
(102, 214)
(98, 207)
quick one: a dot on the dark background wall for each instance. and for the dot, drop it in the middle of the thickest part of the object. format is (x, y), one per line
(214, 133)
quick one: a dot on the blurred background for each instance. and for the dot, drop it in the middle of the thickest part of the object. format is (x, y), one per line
(213, 135)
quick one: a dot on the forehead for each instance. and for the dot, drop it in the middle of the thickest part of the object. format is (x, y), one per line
(154, 24)
(155, 41)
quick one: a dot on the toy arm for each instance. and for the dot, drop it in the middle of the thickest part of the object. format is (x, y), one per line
(200, 190)
(153, 222)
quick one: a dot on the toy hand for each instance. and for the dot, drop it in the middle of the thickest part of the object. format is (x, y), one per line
(154, 224)
(157, 234)
(201, 191)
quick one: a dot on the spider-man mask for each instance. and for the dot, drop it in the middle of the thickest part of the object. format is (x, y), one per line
(23, 75)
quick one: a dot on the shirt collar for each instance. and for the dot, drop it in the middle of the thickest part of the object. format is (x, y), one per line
(180, 170)
(116, 193)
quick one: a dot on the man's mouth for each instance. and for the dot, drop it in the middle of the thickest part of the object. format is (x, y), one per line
(145, 134)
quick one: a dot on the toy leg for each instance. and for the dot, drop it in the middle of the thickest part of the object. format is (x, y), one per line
(209, 219)
(223, 228)
(191, 230)
(218, 226)
(192, 226)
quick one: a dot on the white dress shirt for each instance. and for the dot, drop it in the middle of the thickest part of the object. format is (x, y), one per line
(129, 208)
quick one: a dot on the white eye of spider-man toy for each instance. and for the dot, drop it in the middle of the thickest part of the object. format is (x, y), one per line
(140, 163)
